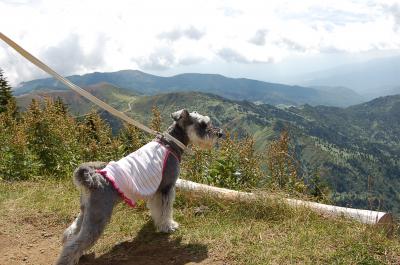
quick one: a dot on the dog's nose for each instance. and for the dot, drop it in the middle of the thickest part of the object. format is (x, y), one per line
(220, 134)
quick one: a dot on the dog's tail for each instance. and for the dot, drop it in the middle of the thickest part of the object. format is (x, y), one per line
(87, 177)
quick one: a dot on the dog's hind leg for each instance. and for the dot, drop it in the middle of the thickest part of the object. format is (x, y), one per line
(75, 227)
(97, 213)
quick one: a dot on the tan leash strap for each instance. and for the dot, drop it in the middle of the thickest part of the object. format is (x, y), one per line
(84, 93)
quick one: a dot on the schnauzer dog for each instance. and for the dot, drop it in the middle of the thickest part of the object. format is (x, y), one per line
(149, 173)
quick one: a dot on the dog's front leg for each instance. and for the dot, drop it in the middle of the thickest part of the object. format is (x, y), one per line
(161, 208)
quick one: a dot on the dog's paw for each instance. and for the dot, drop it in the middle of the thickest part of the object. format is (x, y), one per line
(168, 227)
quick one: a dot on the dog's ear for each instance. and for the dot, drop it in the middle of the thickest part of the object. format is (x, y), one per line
(180, 114)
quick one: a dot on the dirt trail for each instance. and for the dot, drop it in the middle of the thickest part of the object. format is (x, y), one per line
(35, 239)
(28, 239)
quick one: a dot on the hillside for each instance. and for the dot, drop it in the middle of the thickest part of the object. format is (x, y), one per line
(232, 88)
(116, 97)
(356, 149)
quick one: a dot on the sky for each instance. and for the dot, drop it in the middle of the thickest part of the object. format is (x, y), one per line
(266, 40)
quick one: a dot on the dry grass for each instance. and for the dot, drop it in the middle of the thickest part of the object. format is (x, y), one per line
(212, 232)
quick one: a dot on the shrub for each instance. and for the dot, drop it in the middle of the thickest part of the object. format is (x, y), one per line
(47, 140)
(96, 139)
(51, 135)
(234, 164)
(283, 165)
(16, 160)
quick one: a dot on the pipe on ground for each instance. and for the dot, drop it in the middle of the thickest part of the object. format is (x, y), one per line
(363, 216)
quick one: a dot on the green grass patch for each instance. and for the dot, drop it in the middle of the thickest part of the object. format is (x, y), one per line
(264, 232)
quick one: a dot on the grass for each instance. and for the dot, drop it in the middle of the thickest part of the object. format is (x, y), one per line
(217, 232)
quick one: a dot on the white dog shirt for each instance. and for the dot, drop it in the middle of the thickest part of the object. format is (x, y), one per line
(139, 174)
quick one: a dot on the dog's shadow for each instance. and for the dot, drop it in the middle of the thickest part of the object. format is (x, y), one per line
(150, 247)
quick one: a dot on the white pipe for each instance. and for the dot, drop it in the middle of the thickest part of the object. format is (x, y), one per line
(363, 216)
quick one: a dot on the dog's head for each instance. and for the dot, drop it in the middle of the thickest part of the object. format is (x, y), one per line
(198, 128)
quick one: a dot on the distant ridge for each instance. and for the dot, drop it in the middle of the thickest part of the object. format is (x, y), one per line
(115, 96)
(231, 88)
(374, 78)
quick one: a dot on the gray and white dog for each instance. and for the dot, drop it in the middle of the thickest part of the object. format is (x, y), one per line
(99, 194)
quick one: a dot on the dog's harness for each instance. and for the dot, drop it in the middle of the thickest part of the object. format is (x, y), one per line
(139, 174)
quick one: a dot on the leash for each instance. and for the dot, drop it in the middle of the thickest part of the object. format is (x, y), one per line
(86, 94)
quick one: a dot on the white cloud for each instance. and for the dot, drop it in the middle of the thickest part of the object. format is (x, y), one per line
(231, 55)
(77, 36)
(69, 57)
(291, 44)
(176, 34)
(161, 59)
(190, 60)
(259, 37)
(230, 12)
(394, 10)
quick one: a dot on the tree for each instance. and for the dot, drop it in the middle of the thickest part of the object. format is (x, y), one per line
(6, 96)
(60, 106)
(156, 119)
(52, 136)
(283, 165)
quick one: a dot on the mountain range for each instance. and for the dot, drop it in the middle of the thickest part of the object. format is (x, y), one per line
(356, 149)
(374, 78)
(232, 88)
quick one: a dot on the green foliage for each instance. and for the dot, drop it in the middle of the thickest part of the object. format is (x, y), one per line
(283, 166)
(52, 138)
(235, 164)
(46, 140)
(6, 96)
(156, 122)
(343, 146)
(16, 160)
(194, 167)
(57, 143)
(131, 138)
(96, 138)
(318, 188)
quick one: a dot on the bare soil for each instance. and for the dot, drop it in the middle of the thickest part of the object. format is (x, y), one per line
(27, 238)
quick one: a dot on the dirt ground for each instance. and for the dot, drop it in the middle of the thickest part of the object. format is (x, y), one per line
(35, 239)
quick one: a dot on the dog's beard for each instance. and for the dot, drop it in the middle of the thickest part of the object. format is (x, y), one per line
(206, 142)
(203, 143)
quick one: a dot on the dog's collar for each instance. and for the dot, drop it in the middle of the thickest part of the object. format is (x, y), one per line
(171, 146)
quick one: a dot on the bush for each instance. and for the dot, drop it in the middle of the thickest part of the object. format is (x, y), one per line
(234, 164)
(96, 140)
(47, 140)
(283, 165)
(51, 134)
(16, 160)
